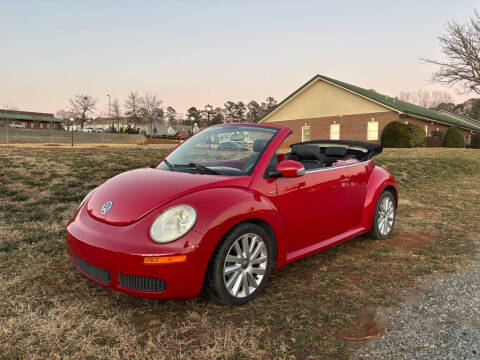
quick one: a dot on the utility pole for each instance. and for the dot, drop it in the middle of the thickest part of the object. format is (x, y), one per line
(71, 119)
(109, 116)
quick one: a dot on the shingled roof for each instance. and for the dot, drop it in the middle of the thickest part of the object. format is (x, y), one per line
(393, 103)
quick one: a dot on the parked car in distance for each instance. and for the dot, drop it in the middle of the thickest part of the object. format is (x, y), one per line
(237, 137)
(98, 130)
(15, 125)
(88, 129)
(222, 221)
(231, 146)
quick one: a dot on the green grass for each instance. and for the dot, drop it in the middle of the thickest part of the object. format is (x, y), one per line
(309, 308)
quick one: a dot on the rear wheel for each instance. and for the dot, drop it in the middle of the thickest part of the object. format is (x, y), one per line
(240, 266)
(384, 217)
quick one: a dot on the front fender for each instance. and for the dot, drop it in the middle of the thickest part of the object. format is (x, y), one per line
(379, 180)
(220, 209)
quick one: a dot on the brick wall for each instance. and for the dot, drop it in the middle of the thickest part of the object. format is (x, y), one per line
(353, 127)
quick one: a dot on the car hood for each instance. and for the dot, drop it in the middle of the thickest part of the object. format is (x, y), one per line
(136, 193)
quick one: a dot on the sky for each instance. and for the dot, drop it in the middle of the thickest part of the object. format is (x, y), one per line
(193, 53)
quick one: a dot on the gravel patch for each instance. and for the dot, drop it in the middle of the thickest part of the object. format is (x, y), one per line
(443, 322)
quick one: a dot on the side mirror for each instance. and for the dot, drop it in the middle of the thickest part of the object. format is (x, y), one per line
(288, 169)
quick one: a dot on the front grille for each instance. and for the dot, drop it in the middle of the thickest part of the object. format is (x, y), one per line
(142, 283)
(93, 271)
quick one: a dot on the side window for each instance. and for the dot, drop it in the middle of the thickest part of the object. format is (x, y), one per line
(372, 130)
(335, 132)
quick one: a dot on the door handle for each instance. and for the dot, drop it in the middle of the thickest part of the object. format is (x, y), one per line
(345, 180)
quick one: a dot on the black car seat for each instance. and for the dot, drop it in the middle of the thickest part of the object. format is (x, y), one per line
(309, 155)
(292, 155)
(258, 146)
(334, 153)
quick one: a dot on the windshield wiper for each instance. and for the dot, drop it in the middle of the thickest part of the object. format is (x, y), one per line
(203, 168)
(199, 167)
(170, 166)
(196, 166)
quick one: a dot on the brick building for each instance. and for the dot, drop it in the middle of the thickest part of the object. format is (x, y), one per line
(325, 108)
(29, 120)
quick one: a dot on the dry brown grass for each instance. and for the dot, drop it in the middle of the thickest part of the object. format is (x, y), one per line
(314, 308)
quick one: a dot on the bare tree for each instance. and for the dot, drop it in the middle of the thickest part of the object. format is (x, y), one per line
(132, 107)
(151, 109)
(116, 111)
(461, 46)
(82, 105)
(426, 98)
(439, 97)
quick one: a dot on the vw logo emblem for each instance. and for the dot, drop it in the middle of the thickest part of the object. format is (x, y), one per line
(106, 207)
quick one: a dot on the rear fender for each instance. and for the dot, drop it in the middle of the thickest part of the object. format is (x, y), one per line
(379, 180)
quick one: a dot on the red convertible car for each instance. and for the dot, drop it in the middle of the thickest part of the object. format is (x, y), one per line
(222, 220)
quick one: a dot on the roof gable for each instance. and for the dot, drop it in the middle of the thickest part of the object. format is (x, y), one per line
(319, 99)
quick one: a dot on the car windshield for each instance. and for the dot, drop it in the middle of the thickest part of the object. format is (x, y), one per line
(221, 150)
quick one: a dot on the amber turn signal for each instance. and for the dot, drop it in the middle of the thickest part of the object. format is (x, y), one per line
(164, 259)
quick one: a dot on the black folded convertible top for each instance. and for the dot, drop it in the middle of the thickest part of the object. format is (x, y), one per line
(371, 149)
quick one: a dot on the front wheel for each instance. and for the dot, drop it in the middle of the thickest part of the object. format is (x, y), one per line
(384, 217)
(240, 265)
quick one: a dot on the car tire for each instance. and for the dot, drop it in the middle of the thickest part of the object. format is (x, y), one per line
(384, 216)
(250, 275)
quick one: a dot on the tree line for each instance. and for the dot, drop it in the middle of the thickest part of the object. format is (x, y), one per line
(148, 109)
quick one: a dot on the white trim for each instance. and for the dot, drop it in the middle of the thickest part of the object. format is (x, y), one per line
(337, 167)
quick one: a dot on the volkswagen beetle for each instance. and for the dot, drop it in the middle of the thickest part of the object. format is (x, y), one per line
(221, 220)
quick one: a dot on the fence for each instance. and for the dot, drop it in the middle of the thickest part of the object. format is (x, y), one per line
(37, 136)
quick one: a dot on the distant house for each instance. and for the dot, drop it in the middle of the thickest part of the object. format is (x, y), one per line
(29, 120)
(325, 108)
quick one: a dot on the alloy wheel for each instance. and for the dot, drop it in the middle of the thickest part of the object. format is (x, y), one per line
(245, 265)
(386, 215)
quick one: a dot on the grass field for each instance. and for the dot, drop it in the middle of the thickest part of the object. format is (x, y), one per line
(315, 308)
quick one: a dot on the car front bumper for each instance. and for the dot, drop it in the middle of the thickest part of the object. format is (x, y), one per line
(113, 256)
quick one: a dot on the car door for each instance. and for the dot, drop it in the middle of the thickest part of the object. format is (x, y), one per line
(313, 206)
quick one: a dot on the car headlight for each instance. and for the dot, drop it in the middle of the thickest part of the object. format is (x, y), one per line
(173, 223)
(86, 198)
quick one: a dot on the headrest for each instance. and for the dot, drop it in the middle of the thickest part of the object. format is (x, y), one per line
(338, 151)
(259, 145)
(307, 152)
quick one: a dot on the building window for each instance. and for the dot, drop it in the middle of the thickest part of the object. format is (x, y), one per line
(372, 130)
(335, 132)
(426, 130)
(305, 133)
